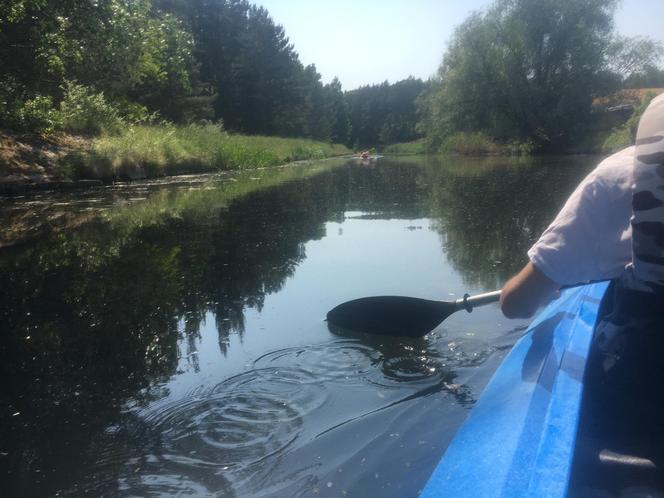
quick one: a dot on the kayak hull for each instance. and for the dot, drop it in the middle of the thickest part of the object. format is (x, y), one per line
(519, 438)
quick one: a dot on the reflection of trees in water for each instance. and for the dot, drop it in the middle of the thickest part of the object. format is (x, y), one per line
(489, 212)
(229, 318)
(393, 190)
(76, 342)
(92, 319)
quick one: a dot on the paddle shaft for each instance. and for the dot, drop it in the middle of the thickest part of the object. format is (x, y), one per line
(469, 302)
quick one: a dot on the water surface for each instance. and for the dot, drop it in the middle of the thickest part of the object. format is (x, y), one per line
(167, 338)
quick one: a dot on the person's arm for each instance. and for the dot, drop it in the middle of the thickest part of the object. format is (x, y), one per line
(525, 292)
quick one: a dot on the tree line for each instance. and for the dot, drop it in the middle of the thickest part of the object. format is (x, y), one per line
(520, 71)
(91, 65)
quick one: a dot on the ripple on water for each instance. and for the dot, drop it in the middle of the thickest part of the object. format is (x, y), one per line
(346, 362)
(238, 423)
(352, 363)
(216, 437)
(409, 368)
(167, 484)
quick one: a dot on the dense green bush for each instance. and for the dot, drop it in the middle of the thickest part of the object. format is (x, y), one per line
(82, 111)
(86, 112)
(22, 113)
(418, 146)
(135, 113)
(10, 103)
(38, 114)
(479, 144)
(469, 144)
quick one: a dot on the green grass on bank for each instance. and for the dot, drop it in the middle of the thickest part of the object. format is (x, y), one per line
(464, 144)
(603, 141)
(478, 144)
(150, 151)
(418, 146)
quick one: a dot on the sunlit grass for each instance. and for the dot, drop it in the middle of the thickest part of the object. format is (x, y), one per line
(149, 151)
(604, 141)
(415, 147)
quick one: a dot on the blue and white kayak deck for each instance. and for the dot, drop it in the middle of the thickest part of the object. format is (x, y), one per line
(519, 439)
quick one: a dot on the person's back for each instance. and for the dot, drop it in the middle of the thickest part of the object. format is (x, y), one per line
(646, 273)
(623, 405)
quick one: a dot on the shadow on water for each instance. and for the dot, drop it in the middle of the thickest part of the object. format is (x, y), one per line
(97, 320)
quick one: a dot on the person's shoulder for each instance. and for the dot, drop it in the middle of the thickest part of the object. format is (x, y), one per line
(623, 159)
(615, 170)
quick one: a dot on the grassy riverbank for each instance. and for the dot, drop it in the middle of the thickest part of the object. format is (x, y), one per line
(148, 151)
(477, 144)
(418, 146)
(464, 144)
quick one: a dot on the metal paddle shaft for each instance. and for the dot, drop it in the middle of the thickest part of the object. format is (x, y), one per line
(469, 302)
(401, 316)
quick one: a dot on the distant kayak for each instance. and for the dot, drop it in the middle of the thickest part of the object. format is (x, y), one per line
(520, 437)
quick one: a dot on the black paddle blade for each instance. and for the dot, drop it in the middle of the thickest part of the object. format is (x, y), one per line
(391, 315)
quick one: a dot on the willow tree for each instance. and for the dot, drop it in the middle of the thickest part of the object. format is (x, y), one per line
(524, 70)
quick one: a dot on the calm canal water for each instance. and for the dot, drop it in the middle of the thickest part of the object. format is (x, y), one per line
(168, 338)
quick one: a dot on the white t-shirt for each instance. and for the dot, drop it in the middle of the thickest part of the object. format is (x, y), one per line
(590, 239)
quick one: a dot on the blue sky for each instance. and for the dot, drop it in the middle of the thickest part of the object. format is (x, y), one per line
(370, 41)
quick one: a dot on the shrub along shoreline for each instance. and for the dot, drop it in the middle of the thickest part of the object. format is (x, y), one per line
(478, 144)
(144, 151)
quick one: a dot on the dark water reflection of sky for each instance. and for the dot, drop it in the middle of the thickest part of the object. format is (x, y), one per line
(167, 338)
